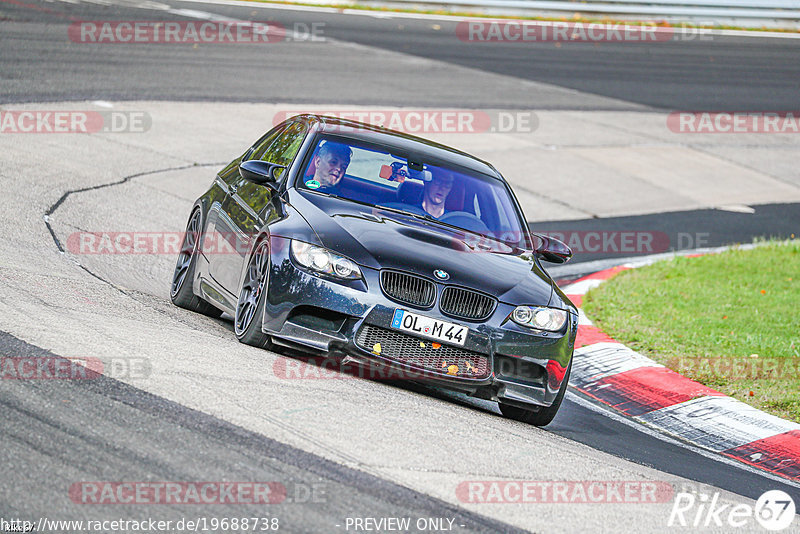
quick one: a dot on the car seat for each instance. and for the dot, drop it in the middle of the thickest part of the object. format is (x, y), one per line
(410, 192)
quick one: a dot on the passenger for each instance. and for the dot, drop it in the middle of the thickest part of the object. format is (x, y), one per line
(330, 165)
(435, 194)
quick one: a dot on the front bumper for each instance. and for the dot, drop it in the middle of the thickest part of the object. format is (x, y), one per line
(499, 360)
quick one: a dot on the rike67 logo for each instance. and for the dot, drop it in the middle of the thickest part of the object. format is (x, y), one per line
(774, 511)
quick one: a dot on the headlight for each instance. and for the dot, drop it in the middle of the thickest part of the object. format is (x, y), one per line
(324, 261)
(550, 319)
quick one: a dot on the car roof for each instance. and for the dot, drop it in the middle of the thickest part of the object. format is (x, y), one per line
(425, 149)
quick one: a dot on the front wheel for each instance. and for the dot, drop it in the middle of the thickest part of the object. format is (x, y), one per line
(543, 416)
(182, 278)
(250, 307)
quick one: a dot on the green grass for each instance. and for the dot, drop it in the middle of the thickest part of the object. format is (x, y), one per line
(730, 320)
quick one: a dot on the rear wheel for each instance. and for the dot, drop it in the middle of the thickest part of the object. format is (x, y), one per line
(183, 276)
(543, 416)
(250, 307)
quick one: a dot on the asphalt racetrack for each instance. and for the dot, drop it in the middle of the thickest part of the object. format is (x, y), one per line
(184, 401)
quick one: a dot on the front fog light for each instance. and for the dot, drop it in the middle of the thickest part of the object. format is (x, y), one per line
(540, 318)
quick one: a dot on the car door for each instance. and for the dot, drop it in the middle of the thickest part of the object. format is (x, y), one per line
(220, 242)
(248, 206)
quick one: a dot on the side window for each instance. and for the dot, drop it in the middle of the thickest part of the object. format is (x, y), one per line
(263, 144)
(279, 147)
(231, 172)
(283, 149)
(504, 222)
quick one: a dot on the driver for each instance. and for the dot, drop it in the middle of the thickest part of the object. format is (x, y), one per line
(435, 193)
(331, 163)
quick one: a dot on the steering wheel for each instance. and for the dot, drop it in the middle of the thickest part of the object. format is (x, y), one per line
(465, 220)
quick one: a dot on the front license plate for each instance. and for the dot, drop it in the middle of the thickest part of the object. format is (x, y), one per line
(428, 327)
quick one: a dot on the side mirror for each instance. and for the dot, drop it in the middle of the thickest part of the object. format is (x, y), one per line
(552, 250)
(260, 172)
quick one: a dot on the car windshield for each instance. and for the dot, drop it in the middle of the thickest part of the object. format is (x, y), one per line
(372, 175)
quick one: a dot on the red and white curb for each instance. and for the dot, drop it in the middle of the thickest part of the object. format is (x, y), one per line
(644, 390)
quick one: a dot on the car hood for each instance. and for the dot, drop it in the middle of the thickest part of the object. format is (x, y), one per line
(383, 239)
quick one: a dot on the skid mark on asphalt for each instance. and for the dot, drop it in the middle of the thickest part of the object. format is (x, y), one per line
(351, 460)
(54, 207)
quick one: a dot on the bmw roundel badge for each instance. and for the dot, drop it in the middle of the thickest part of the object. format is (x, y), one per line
(441, 275)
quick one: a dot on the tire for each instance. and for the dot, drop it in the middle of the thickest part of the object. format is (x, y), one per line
(250, 306)
(543, 416)
(182, 278)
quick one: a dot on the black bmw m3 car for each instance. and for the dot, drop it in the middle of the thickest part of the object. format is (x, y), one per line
(387, 250)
